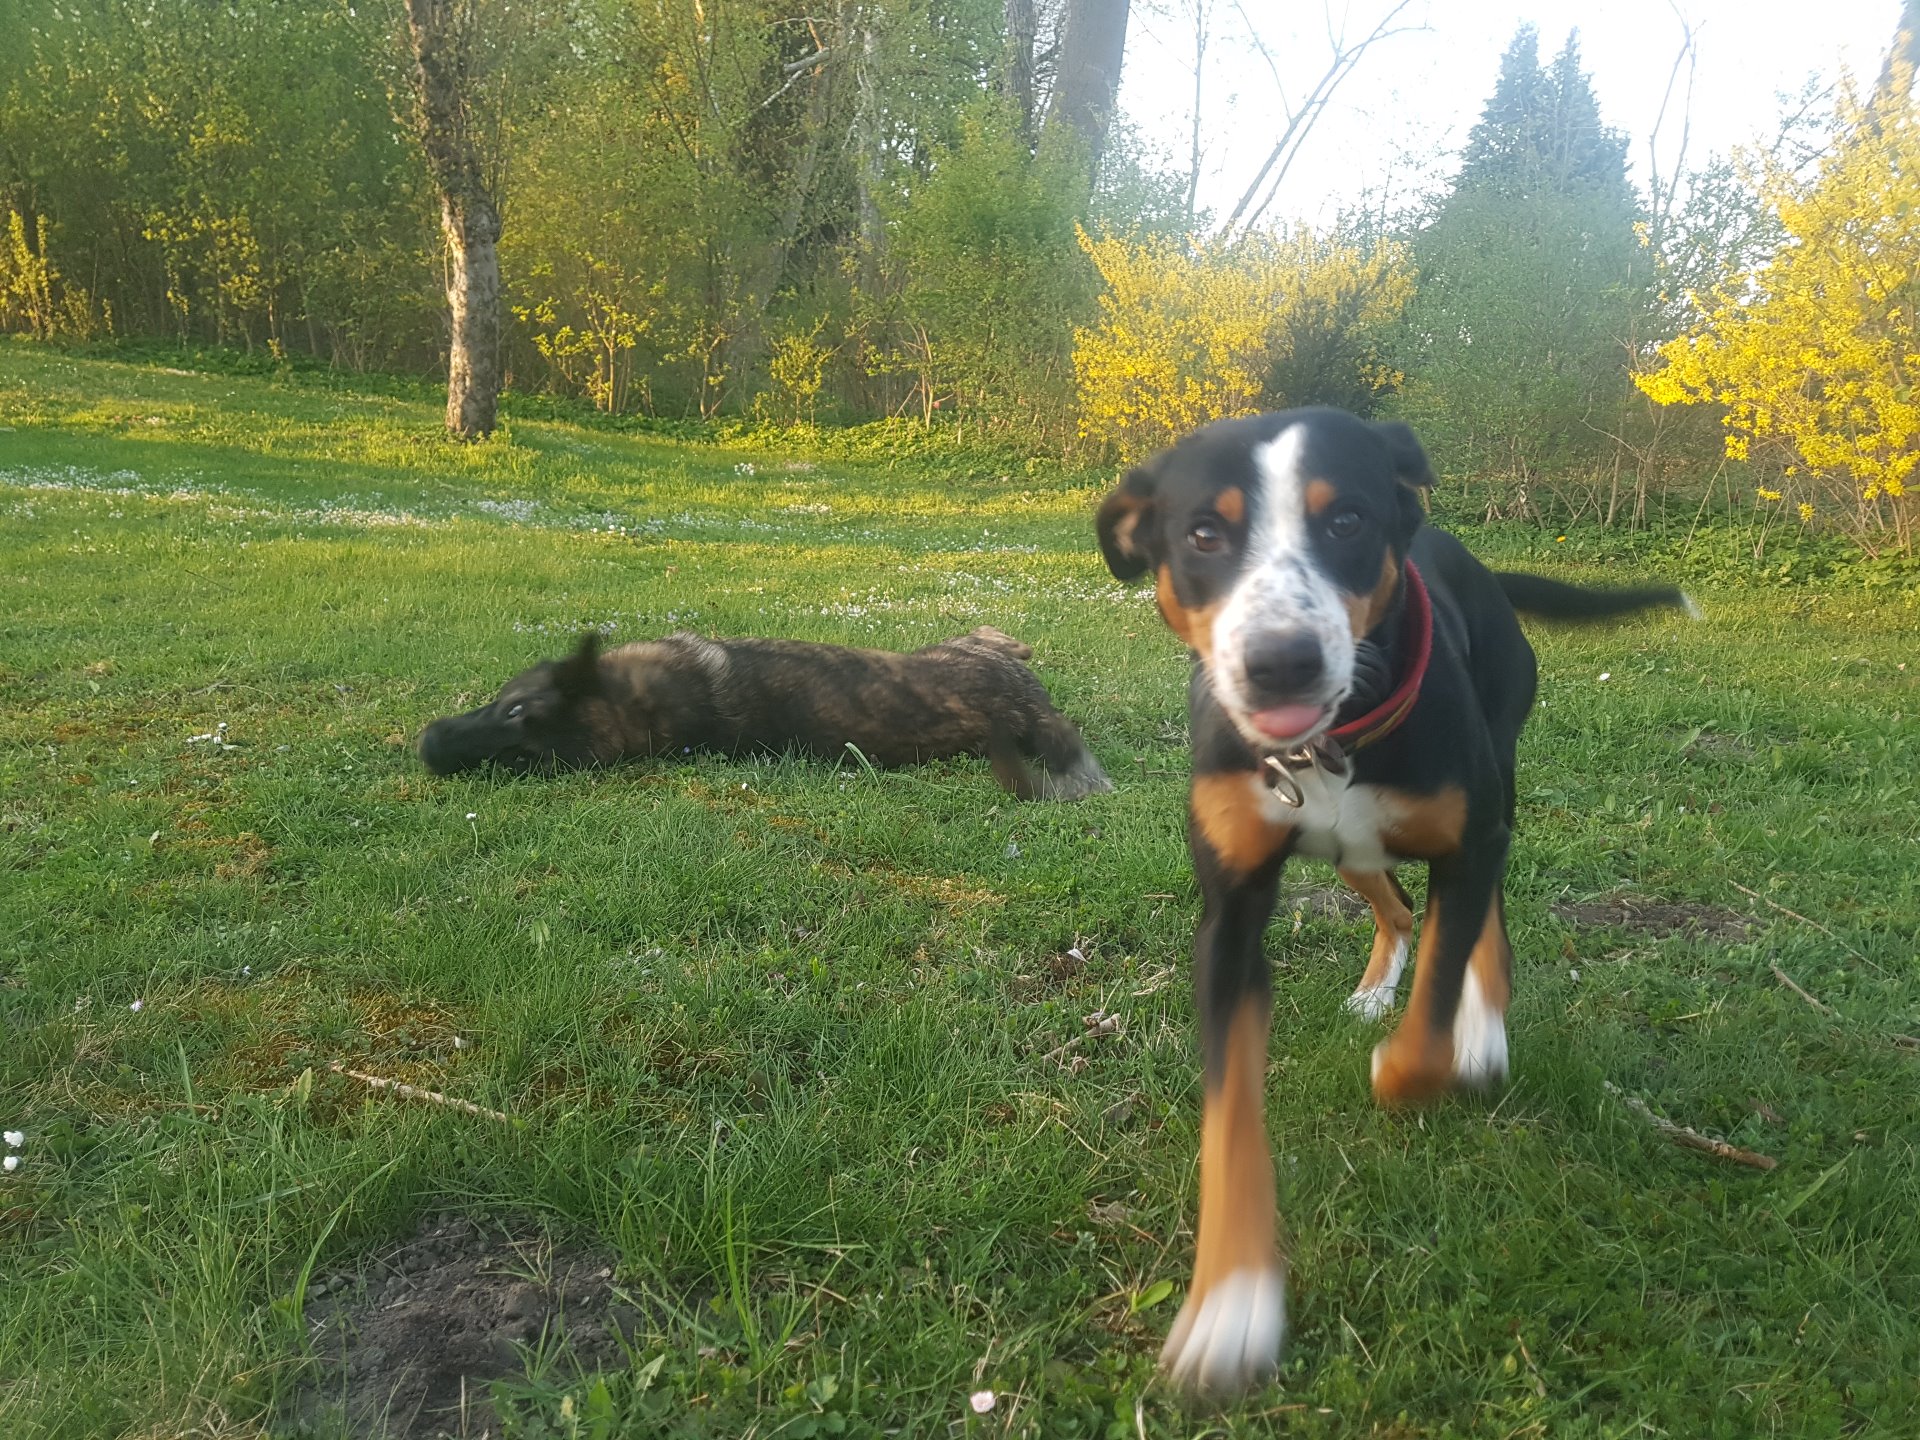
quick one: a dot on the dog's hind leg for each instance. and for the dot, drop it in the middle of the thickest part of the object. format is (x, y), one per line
(1069, 770)
(999, 640)
(1066, 769)
(1392, 938)
(1010, 767)
(1454, 1034)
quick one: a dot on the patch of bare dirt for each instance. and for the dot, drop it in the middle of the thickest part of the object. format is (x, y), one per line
(1656, 918)
(409, 1340)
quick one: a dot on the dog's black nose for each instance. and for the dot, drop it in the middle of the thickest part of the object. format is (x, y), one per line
(1285, 664)
(440, 748)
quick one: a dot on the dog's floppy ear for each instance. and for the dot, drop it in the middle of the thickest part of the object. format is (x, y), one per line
(1126, 525)
(1414, 472)
(579, 674)
(1410, 461)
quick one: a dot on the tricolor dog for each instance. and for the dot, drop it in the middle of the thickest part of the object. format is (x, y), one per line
(972, 695)
(1359, 684)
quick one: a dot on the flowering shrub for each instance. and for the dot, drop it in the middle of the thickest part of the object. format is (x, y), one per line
(1192, 331)
(1813, 354)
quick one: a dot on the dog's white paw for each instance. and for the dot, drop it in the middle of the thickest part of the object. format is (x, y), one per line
(1370, 1002)
(1229, 1337)
(1479, 1037)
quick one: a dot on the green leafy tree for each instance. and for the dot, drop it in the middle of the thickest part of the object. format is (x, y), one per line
(991, 277)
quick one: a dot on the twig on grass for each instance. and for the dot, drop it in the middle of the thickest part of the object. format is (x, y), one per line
(1686, 1135)
(414, 1092)
(1539, 1384)
(1804, 920)
(1788, 981)
(1907, 1042)
(1098, 1023)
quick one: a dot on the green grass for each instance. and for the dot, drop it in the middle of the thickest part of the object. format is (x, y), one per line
(775, 1031)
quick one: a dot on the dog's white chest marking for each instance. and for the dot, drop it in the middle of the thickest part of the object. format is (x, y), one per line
(1336, 820)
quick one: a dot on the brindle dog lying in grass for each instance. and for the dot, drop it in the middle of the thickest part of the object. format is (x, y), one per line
(972, 695)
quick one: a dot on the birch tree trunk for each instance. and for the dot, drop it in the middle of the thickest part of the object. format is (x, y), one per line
(441, 36)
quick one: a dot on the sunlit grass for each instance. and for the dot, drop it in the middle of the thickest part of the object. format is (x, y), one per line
(772, 1027)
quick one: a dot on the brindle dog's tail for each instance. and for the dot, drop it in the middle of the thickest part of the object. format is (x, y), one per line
(1553, 600)
(1067, 769)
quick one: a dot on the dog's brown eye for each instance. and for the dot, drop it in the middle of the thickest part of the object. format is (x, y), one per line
(1345, 525)
(1206, 537)
(515, 712)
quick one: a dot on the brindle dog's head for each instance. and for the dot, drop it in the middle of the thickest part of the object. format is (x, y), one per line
(1277, 543)
(552, 716)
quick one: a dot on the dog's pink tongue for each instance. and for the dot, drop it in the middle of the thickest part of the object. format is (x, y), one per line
(1285, 722)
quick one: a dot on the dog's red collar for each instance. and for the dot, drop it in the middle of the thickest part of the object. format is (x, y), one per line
(1386, 717)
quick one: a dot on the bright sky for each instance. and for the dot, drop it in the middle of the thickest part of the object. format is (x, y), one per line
(1399, 120)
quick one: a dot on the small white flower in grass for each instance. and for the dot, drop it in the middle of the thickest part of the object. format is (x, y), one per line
(12, 1162)
(473, 814)
(1606, 674)
(982, 1401)
(14, 1138)
(137, 1006)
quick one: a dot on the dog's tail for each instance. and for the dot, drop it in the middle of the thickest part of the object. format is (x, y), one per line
(1553, 600)
(1067, 768)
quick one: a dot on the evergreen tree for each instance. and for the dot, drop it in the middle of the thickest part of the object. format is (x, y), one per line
(1531, 286)
(1501, 151)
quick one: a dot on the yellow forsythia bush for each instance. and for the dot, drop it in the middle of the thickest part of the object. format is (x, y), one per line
(1192, 331)
(1815, 354)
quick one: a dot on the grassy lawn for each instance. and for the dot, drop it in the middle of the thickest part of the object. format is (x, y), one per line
(775, 1036)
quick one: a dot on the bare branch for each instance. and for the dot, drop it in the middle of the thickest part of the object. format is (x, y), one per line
(1662, 198)
(1202, 14)
(796, 70)
(1260, 45)
(1300, 122)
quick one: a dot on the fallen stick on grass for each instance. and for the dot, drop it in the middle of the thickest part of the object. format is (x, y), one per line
(1788, 981)
(414, 1092)
(1804, 920)
(1687, 1136)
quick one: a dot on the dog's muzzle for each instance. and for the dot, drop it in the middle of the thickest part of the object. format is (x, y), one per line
(457, 743)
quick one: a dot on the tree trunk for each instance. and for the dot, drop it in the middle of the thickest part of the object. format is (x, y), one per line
(1905, 48)
(773, 267)
(868, 169)
(1087, 84)
(441, 54)
(1016, 76)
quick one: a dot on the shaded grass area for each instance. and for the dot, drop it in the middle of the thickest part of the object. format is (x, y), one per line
(775, 1032)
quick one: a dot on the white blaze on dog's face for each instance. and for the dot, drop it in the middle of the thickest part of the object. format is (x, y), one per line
(1281, 658)
(1278, 544)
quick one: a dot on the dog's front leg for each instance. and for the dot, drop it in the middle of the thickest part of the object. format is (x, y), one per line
(1229, 1332)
